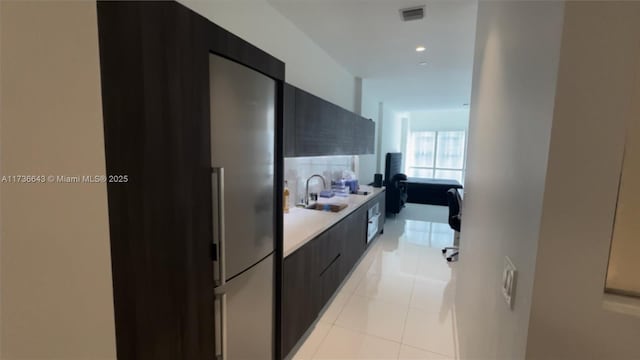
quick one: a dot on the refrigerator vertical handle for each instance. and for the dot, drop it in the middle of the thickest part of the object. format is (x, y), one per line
(220, 314)
(219, 272)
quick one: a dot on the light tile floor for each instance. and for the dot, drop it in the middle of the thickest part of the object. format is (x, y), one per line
(398, 301)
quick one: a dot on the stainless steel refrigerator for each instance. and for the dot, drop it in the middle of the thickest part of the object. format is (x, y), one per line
(243, 174)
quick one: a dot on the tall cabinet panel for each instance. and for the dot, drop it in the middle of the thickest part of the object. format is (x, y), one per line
(289, 95)
(297, 300)
(155, 96)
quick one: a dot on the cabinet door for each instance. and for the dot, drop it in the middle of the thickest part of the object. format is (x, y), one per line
(366, 138)
(323, 128)
(321, 258)
(329, 279)
(297, 299)
(359, 236)
(327, 248)
(344, 135)
(314, 133)
(354, 238)
(383, 208)
(289, 120)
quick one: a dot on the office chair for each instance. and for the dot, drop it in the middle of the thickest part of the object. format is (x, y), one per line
(455, 203)
(396, 195)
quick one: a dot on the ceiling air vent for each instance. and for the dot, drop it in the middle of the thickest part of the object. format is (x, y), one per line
(412, 13)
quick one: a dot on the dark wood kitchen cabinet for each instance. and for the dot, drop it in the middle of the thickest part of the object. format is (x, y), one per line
(289, 95)
(330, 273)
(383, 212)
(352, 231)
(306, 285)
(316, 127)
(154, 67)
(313, 273)
(297, 297)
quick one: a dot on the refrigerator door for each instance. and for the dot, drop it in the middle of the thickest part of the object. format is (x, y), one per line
(242, 151)
(244, 310)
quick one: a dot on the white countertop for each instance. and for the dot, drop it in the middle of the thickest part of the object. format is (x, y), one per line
(302, 225)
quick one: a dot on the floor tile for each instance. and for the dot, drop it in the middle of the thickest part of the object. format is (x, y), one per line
(433, 265)
(434, 295)
(394, 262)
(417, 225)
(394, 288)
(335, 307)
(350, 285)
(373, 317)
(343, 343)
(312, 343)
(411, 353)
(430, 330)
(425, 213)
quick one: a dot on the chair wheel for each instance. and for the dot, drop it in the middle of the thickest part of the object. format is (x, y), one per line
(444, 251)
(449, 259)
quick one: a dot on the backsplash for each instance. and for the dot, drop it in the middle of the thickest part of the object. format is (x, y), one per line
(297, 170)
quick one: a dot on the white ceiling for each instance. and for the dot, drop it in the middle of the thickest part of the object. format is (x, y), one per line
(370, 40)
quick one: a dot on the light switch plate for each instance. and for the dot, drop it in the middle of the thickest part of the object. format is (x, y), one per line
(509, 281)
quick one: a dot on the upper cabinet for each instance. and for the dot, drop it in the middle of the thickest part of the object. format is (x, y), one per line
(316, 127)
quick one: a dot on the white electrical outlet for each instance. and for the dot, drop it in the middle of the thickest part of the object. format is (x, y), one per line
(508, 281)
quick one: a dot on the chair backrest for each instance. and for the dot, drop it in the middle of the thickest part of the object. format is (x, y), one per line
(455, 202)
(392, 166)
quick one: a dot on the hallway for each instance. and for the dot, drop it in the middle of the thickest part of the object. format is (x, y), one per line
(398, 302)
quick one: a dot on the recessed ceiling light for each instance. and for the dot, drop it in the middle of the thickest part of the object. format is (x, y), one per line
(421, 48)
(422, 63)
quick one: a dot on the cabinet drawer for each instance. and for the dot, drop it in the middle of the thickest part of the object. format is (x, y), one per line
(327, 247)
(330, 279)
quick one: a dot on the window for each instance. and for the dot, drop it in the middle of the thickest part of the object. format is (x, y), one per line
(436, 154)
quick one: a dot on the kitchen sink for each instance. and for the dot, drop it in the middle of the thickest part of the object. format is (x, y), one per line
(327, 207)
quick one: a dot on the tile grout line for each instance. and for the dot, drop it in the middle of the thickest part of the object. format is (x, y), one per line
(367, 334)
(315, 351)
(386, 302)
(429, 351)
(406, 316)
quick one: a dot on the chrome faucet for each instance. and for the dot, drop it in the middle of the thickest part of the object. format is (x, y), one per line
(306, 191)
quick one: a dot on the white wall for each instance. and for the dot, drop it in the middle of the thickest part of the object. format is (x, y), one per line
(515, 66)
(367, 164)
(56, 298)
(624, 264)
(390, 133)
(440, 120)
(308, 66)
(598, 93)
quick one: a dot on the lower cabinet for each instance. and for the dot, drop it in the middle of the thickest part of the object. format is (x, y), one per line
(313, 273)
(353, 232)
(380, 199)
(297, 297)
